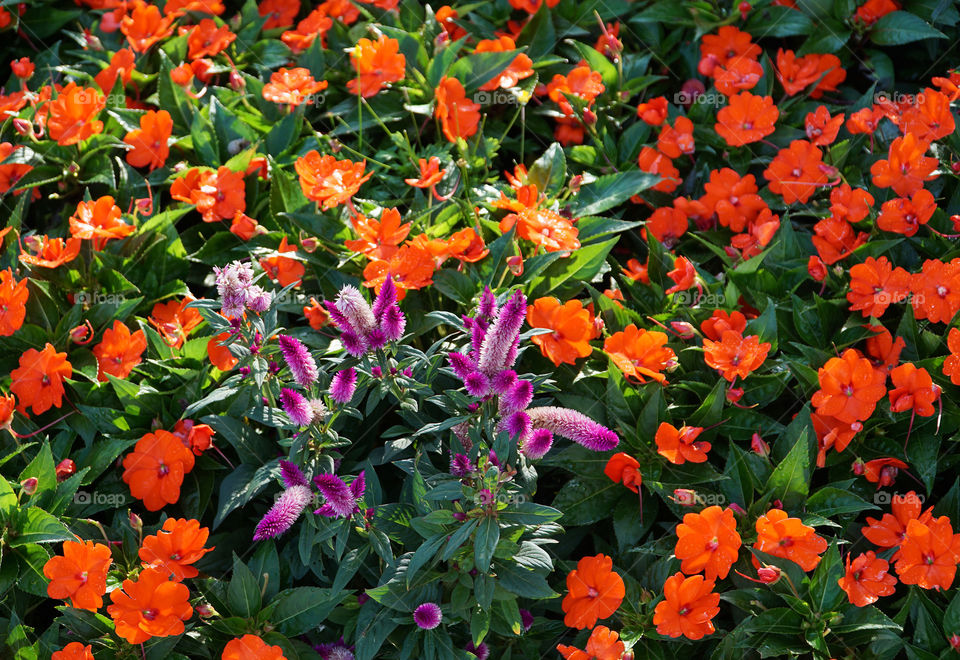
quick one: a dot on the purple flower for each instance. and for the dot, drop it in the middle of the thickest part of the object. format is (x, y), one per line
(517, 397)
(292, 475)
(283, 513)
(537, 444)
(487, 306)
(481, 651)
(477, 384)
(341, 499)
(574, 426)
(427, 616)
(504, 381)
(526, 619)
(343, 385)
(460, 465)
(318, 409)
(355, 309)
(517, 424)
(299, 360)
(335, 650)
(498, 344)
(296, 407)
(233, 280)
(364, 328)
(258, 300)
(462, 365)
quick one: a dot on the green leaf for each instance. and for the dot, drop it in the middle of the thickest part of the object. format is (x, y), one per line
(243, 592)
(478, 69)
(902, 27)
(598, 62)
(611, 190)
(549, 172)
(38, 526)
(585, 502)
(582, 266)
(523, 582)
(296, 611)
(790, 480)
(427, 551)
(829, 501)
(485, 543)
(204, 140)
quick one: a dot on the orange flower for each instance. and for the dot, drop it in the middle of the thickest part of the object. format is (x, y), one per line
(636, 271)
(174, 320)
(873, 10)
(746, 119)
(866, 579)
(732, 198)
(316, 24)
(684, 275)
(797, 73)
(681, 445)
(292, 86)
(760, 233)
(667, 225)
(882, 350)
(251, 647)
(13, 303)
(72, 115)
(905, 216)
(740, 74)
(951, 365)
(281, 12)
(378, 240)
(654, 162)
(582, 83)
(788, 538)
(459, 117)
(835, 239)
(207, 39)
(594, 591)
(603, 644)
(796, 172)
(121, 66)
(149, 142)
(430, 174)
(8, 403)
(546, 228)
(913, 389)
(38, 382)
(520, 68)
(572, 327)
(721, 321)
(891, 529)
(150, 607)
(12, 172)
(144, 26)
(849, 388)
(329, 181)
(220, 355)
(883, 471)
(930, 117)
(244, 227)
(217, 195)
(833, 434)
(865, 121)
(735, 355)
(708, 542)
(174, 548)
(155, 469)
(196, 437)
(677, 140)
(532, 6)
(411, 268)
(623, 468)
(905, 168)
(936, 291)
(875, 284)
(850, 204)
(100, 221)
(640, 353)
(284, 270)
(726, 45)
(821, 128)
(80, 574)
(316, 314)
(929, 554)
(119, 351)
(74, 651)
(687, 607)
(654, 111)
(178, 7)
(377, 63)
(50, 252)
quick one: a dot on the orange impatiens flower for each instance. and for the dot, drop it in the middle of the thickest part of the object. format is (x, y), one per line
(74, 651)
(727, 45)
(951, 365)
(850, 204)
(411, 268)
(688, 607)
(72, 114)
(798, 73)
(280, 13)
(654, 111)
(722, 321)
(875, 284)
(833, 433)
(329, 181)
(292, 86)
(144, 25)
(681, 445)
(155, 469)
(883, 471)
(218, 195)
(636, 271)
(13, 302)
(708, 542)
(99, 220)
(121, 66)
(667, 224)
(545, 227)
(459, 117)
(683, 275)
(119, 351)
(873, 10)
(80, 574)
(882, 350)
(520, 68)
(905, 215)
(653, 162)
(196, 437)
(796, 172)
(148, 144)
(174, 320)
(739, 75)
(572, 327)
(151, 607)
(835, 239)
(378, 63)
(849, 388)
(285, 270)
(174, 548)
(936, 291)
(38, 381)
(866, 579)
(50, 252)
(251, 647)
(821, 128)
(913, 390)
(178, 7)
(378, 239)
(582, 83)
(207, 39)
(891, 529)
(735, 355)
(640, 353)
(624, 468)
(220, 355)
(746, 119)
(594, 591)
(929, 554)
(905, 168)
(12, 172)
(788, 538)
(603, 644)
(930, 117)
(430, 173)
(316, 24)
(732, 198)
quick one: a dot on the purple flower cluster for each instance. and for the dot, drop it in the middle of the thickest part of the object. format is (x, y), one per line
(238, 292)
(364, 328)
(298, 358)
(342, 500)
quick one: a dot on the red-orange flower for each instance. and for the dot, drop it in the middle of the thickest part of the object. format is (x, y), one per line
(905, 215)
(832, 433)
(883, 471)
(251, 647)
(835, 239)
(178, 7)
(875, 284)
(280, 12)
(411, 268)
(687, 608)
(677, 140)
(430, 173)
(603, 644)
(951, 365)
(38, 382)
(865, 121)
(930, 117)
(625, 469)
(545, 227)
(735, 355)
(738, 75)
(905, 168)
(797, 73)
(850, 204)
(377, 63)
(891, 529)
(936, 291)
(155, 469)
(292, 86)
(174, 548)
(636, 271)
(521, 67)
(13, 302)
(316, 24)
(929, 554)
(683, 275)
(796, 172)
(873, 10)
(144, 26)
(207, 39)
(654, 111)
(285, 270)
(708, 542)
(151, 607)
(849, 388)
(782, 536)
(882, 351)
(913, 389)
(732, 198)
(378, 239)
(572, 327)
(72, 114)
(594, 591)
(174, 320)
(50, 252)
(721, 321)
(80, 574)
(667, 224)
(726, 45)
(220, 355)
(746, 119)
(582, 83)
(654, 162)
(121, 66)
(74, 651)
(119, 351)
(681, 445)
(866, 579)
(329, 181)
(459, 117)
(149, 142)
(12, 172)
(821, 128)
(198, 438)
(100, 221)
(217, 195)
(640, 354)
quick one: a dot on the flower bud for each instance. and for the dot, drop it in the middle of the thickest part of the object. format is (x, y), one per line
(309, 244)
(576, 181)
(955, 166)
(759, 446)
(689, 92)
(82, 334)
(737, 509)
(205, 610)
(685, 496)
(955, 641)
(515, 264)
(744, 9)
(65, 469)
(816, 268)
(22, 126)
(29, 485)
(237, 83)
(135, 522)
(683, 329)
(776, 504)
(734, 394)
(589, 117)
(858, 467)
(769, 574)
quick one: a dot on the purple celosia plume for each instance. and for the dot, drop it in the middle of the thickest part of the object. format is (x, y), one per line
(298, 358)
(503, 334)
(341, 500)
(292, 475)
(460, 465)
(284, 512)
(574, 426)
(233, 281)
(343, 385)
(335, 651)
(297, 408)
(427, 616)
(364, 328)
(537, 444)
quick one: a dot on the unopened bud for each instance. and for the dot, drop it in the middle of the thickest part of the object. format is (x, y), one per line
(29, 486)
(237, 83)
(65, 469)
(744, 8)
(858, 467)
(955, 641)
(734, 394)
(309, 244)
(589, 117)
(135, 522)
(22, 126)
(769, 574)
(737, 509)
(684, 496)
(683, 329)
(82, 334)
(515, 264)
(205, 610)
(759, 446)
(577, 180)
